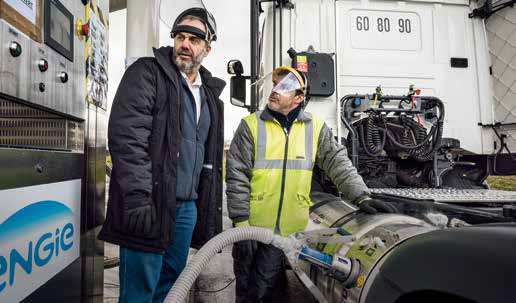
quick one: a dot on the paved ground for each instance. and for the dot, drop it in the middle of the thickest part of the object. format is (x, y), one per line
(216, 276)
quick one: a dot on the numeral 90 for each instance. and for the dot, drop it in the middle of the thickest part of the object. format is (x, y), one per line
(404, 26)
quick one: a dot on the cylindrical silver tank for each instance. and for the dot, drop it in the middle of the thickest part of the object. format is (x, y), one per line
(376, 236)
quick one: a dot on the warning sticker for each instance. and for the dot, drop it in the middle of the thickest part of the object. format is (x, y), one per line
(302, 64)
(360, 281)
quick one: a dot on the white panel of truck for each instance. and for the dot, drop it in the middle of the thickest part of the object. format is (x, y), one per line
(501, 32)
(395, 44)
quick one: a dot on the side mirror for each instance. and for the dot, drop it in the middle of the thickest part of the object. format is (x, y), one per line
(235, 67)
(238, 90)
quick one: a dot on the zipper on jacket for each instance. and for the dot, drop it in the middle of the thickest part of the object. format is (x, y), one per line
(277, 228)
(197, 142)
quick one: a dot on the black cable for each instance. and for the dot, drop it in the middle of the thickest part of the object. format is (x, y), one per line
(372, 142)
(499, 152)
(503, 144)
(375, 142)
(214, 291)
(390, 135)
(364, 144)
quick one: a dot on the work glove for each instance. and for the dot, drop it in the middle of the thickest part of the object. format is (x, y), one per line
(138, 219)
(373, 206)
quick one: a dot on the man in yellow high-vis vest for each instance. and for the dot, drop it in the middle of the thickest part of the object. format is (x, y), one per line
(269, 174)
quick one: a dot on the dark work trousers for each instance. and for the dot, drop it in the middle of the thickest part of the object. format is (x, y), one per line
(259, 272)
(147, 277)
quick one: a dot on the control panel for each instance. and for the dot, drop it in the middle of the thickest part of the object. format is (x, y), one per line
(50, 72)
(14, 62)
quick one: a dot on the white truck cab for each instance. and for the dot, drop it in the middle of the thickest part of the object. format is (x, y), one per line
(445, 49)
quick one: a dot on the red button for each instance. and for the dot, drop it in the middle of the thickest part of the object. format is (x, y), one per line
(43, 65)
(85, 29)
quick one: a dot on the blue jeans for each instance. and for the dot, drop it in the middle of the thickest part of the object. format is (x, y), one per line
(147, 277)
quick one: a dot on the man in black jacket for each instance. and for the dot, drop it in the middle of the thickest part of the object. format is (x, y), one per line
(166, 141)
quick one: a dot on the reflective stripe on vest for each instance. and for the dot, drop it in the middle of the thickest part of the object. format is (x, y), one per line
(262, 163)
(268, 208)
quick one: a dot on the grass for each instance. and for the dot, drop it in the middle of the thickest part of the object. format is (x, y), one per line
(502, 182)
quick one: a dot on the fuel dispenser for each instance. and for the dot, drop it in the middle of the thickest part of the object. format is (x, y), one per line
(53, 120)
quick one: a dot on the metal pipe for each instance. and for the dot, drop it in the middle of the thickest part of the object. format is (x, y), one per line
(337, 71)
(273, 34)
(354, 135)
(255, 15)
(280, 51)
(142, 29)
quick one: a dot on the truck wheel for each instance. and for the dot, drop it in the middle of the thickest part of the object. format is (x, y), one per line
(461, 178)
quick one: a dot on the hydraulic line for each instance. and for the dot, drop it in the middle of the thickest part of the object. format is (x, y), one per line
(187, 278)
(370, 148)
(372, 138)
(411, 147)
(341, 268)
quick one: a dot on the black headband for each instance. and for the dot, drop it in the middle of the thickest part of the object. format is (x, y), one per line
(188, 29)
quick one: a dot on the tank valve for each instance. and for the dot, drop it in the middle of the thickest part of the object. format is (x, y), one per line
(343, 269)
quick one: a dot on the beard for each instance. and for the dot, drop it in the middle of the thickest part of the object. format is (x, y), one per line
(189, 66)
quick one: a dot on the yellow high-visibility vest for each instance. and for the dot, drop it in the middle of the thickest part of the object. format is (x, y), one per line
(282, 173)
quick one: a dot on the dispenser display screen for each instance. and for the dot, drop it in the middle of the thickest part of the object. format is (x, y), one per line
(59, 28)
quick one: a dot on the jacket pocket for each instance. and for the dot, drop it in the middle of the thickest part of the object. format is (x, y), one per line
(295, 214)
(262, 210)
(304, 200)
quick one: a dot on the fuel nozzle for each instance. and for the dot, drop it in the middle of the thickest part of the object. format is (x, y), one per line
(343, 269)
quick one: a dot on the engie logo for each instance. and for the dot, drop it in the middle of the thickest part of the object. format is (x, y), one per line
(36, 242)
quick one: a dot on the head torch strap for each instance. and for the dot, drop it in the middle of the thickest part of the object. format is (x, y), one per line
(188, 29)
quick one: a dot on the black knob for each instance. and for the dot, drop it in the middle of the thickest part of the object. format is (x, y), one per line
(43, 65)
(291, 53)
(39, 168)
(41, 87)
(63, 76)
(15, 49)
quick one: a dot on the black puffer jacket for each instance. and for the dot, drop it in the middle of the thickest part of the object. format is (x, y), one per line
(144, 137)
